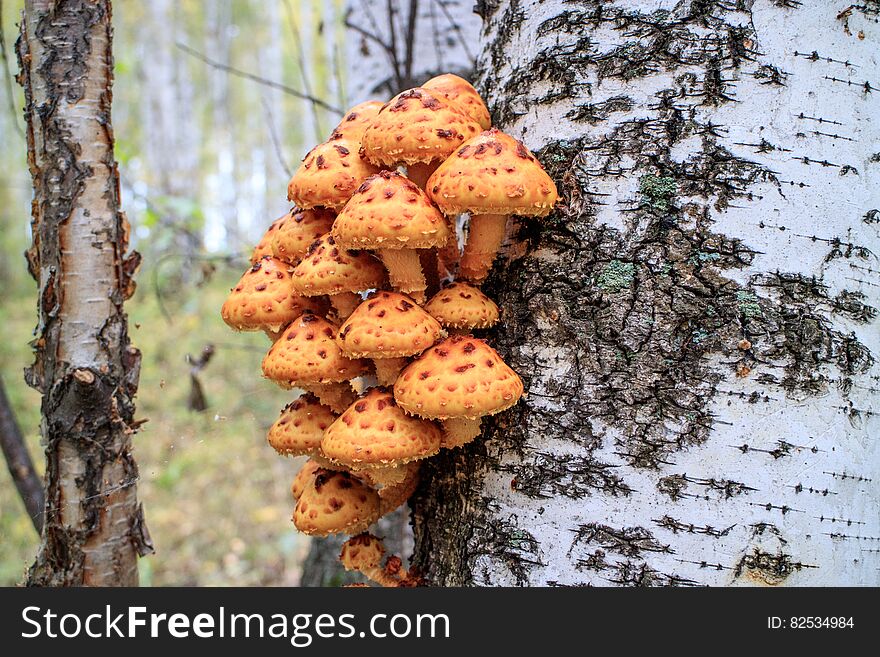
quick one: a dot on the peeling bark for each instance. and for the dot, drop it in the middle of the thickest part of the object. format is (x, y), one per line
(85, 366)
(696, 322)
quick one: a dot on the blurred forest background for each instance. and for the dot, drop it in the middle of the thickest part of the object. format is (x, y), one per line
(205, 156)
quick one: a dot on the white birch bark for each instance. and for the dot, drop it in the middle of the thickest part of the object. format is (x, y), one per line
(654, 446)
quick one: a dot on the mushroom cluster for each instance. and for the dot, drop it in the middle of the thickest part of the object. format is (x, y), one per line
(371, 305)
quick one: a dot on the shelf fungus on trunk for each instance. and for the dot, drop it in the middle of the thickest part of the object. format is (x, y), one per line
(390, 215)
(296, 231)
(264, 298)
(333, 502)
(458, 381)
(388, 327)
(490, 177)
(356, 121)
(374, 432)
(461, 93)
(329, 174)
(306, 356)
(339, 273)
(365, 552)
(417, 128)
(461, 308)
(300, 427)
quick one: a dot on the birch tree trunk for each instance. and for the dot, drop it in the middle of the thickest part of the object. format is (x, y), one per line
(695, 324)
(85, 366)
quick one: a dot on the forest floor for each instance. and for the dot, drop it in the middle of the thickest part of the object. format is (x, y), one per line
(216, 496)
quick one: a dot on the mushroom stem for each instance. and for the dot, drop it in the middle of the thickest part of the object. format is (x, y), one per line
(344, 303)
(338, 396)
(450, 254)
(388, 369)
(405, 272)
(377, 574)
(458, 431)
(484, 240)
(430, 262)
(421, 171)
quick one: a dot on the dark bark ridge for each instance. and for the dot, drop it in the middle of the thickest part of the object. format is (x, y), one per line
(633, 316)
(90, 409)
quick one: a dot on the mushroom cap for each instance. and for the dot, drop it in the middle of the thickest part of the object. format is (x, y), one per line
(329, 174)
(461, 377)
(362, 552)
(416, 126)
(307, 353)
(375, 432)
(291, 239)
(300, 427)
(264, 246)
(388, 325)
(357, 120)
(335, 502)
(389, 211)
(264, 298)
(302, 478)
(462, 94)
(492, 174)
(462, 306)
(329, 269)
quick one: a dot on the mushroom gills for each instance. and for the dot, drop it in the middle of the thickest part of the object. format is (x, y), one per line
(388, 369)
(459, 431)
(338, 396)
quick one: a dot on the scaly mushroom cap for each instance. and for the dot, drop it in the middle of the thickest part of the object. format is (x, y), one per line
(416, 126)
(335, 502)
(356, 120)
(264, 298)
(307, 353)
(388, 211)
(461, 377)
(297, 232)
(264, 246)
(388, 325)
(303, 477)
(375, 432)
(300, 427)
(362, 552)
(492, 174)
(462, 94)
(329, 269)
(463, 306)
(329, 174)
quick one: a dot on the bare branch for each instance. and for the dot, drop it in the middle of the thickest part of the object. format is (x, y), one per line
(256, 78)
(19, 462)
(301, 63)
(273, 135)
(457, 29)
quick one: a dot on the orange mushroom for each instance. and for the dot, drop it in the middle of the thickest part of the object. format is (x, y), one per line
(388, 327)
(299, 429)
(458, 381)
(461, 308)
(264, 298)
(419, 128)
(297, 231)
(357, 120)
(307, 356)
(392, 216)
(490, 177)
(462, 94)
(329, 174)
(337, 272)
(334, 503)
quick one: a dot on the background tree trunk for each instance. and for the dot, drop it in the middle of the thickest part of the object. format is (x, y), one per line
(85, 366)
(695, 324)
